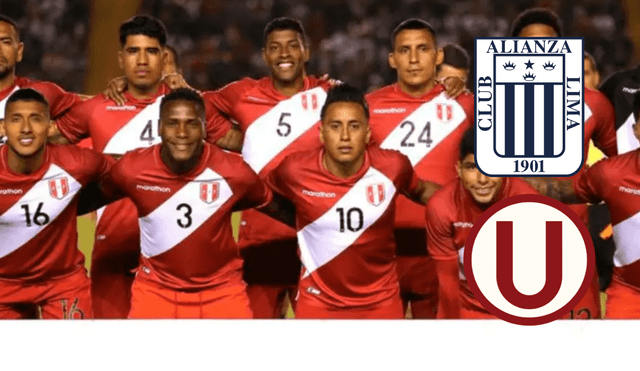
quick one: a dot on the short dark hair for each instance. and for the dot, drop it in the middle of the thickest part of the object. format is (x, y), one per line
(143, 25)
(183, 94)
(412, 24)
(590, 57)
(4, 18)
(468, 143)
(174, 52)
(536, 16)
(283, 23)
(344, 93)
(456, 56)
(27, 95)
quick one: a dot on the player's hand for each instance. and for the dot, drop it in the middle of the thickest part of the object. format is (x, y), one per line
(454, 86)
(115, 90)
(332, 82)
(175, 81)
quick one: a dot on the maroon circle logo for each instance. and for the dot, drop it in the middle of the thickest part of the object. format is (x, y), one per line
(529, 259)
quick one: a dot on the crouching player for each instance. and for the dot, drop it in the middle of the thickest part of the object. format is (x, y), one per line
(40, 264)
(450, 215)
(185, 191)
(344, 195)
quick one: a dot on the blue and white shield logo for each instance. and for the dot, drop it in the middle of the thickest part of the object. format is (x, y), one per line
(529, 106)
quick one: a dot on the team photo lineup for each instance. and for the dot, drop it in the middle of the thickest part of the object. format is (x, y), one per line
(289, 194)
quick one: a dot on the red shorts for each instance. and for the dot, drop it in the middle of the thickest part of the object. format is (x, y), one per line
(416, 273)
(63, 297)
(307, 307)
(623, 300)
(150, 299)
(115, 256)
(271, 271)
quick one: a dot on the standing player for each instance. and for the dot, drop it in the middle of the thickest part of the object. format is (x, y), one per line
(40, 264)
(11, 53)
(616, 181)
(185, 191)
(278, 115)
(344, 197)
(115, 130)
(416, 117)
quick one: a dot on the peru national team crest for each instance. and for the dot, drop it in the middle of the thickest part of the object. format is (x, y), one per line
(444, 112)
(209, 191)
(375, 194)
(529, 106)
(59, 187)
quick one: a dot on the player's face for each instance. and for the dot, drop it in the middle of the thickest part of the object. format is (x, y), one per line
(482, 188)
(446, 70)
(345, 132)
(285, 54)
(182, 129)
(10, 49)
(142, 59)
(27, 126)
(538, 30)
(415, 57)
(591, 75)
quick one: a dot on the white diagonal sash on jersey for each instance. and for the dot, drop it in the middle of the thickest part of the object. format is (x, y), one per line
(160, 231)
(3, 105)
(625, 236)
(322, 240)
(266, 137)
(423, 124)
(130, 136)
(14, 231)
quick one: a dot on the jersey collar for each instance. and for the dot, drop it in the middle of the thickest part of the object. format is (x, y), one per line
(439, 88)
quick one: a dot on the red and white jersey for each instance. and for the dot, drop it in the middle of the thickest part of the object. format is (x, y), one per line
(616, 181)
(274, 126)
(38, 230)
(59, 100)
(345, 226)
(185, 220)
(450, 214)
(427, 129)
(599, 123)
(115, 130)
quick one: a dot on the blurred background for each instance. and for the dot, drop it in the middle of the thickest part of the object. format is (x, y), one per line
(74, 42)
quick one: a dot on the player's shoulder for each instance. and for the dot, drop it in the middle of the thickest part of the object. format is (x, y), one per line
(388, 158)
(143, 155)
(73, 157)
(25, 82)
(518, 186)
(618, 164)
(380, 94)
(595, 98)
(443, 201)
(465, 99)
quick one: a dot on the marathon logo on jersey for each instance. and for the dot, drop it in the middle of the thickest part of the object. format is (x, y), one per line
(375, 194)
(529, 108)
(209, 191)
(59, 187)
(444, 112)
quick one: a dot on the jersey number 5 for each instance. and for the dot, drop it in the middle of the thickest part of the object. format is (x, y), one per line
(284, 128)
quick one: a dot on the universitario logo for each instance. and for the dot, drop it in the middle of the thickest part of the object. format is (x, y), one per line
(529, 259)
(529, 106)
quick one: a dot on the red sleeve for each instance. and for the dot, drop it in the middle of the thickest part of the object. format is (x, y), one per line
(408, 178)
(256, 193)
(225, 98)
(114, 182)
(217, 125)
(74, 125)
(588, 186)
(60, 101)
(605, 134)
(279, 180)
(442, 248)
(98, 163)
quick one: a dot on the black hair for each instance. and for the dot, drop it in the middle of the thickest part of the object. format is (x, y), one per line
(4, 18)
(143, 25)
(536, 16)
(345, 93)
(27, 95)
(174, 52)
(468, 143)
(412, 24)
(590, 57)
(283, 23)
(456, 56)
(184, 94)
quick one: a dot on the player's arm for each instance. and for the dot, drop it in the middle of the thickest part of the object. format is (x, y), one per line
(605, 135)
(561, 190)
(73, 126)
(56, 137)
(102, 190)
(442, 249)
(454, 86)
(232, 140)
(416, 190)
(280, 209)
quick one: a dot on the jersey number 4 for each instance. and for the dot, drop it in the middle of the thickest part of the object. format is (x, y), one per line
(147, 132)
(39, 218)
